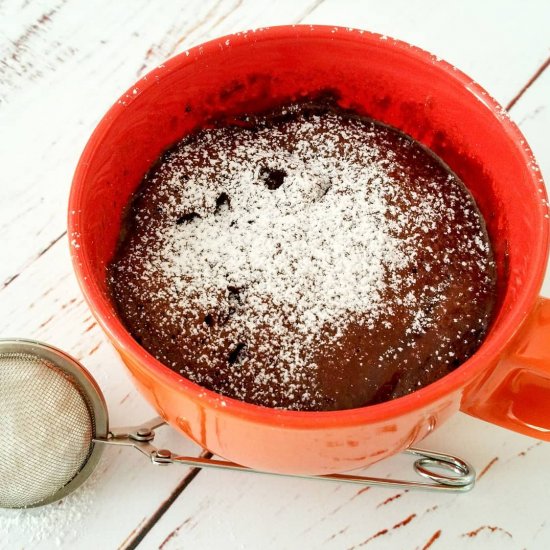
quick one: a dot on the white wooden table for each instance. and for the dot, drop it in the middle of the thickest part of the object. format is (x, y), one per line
(62, 64)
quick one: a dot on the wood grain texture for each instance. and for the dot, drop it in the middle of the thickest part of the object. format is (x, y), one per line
(62, 64)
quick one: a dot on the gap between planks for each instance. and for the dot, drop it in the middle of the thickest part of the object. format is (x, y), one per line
(528, 84)
(31, 261)
(143, 529)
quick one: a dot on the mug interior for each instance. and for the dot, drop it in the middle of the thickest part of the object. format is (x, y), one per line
(385, 79)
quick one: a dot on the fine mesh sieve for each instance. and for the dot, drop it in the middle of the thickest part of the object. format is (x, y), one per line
(54, 424)
(48, 421)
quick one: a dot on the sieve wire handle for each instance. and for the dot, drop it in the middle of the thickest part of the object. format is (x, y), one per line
(463, 479)
(445, 472)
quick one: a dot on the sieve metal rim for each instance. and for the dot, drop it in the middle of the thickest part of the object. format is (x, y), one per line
(89, 389)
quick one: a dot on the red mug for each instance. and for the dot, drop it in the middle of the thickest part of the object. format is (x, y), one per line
(506, 382)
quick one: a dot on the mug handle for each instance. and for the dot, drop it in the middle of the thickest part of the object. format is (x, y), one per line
(516, 394)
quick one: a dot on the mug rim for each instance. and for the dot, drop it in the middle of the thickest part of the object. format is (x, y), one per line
(493, 346)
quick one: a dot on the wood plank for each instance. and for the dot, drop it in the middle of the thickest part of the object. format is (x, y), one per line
(61, 67)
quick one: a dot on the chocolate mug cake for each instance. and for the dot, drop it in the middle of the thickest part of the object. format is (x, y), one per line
(307, 259)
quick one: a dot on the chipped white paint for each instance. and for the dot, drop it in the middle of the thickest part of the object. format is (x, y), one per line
(62, 65)
(244, 511)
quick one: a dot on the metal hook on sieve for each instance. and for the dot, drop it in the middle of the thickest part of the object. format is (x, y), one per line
(459, 476)
(54, 425)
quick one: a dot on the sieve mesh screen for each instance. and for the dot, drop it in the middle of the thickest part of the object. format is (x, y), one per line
(46, 429)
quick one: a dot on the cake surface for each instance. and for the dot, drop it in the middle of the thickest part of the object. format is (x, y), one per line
(307, 259)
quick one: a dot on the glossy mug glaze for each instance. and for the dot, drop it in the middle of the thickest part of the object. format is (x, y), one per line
(506, 382)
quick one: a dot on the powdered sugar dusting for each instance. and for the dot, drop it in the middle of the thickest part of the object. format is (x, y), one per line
(52, 526)
(270, 244)
(292, 230)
